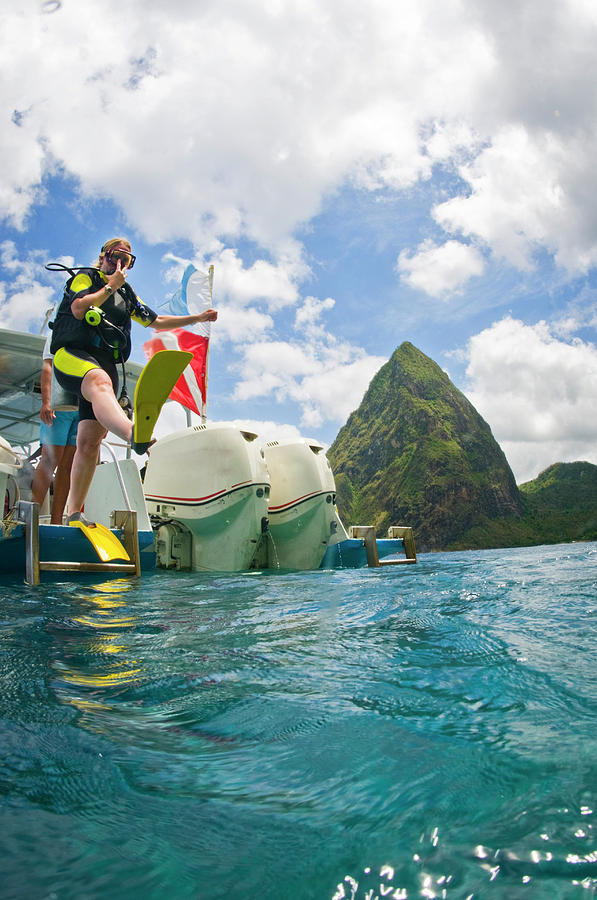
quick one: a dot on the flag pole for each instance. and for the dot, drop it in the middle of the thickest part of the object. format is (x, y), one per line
(191, 389)
(211, 303)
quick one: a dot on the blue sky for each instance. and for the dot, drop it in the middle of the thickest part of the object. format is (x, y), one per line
(358, 175)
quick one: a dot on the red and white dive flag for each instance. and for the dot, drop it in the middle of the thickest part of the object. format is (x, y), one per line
(190, 389)
(193, 296)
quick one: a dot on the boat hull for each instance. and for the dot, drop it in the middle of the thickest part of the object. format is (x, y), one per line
(65, 544)
(352, 554)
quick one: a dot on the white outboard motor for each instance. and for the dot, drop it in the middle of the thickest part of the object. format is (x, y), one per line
(207, 489)
(302, 514)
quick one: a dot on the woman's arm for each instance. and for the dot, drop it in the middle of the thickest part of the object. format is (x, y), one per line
(165, 323)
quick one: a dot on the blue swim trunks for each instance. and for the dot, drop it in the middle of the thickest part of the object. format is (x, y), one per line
(63, 432)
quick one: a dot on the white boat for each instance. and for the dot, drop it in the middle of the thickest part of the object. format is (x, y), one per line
(215, 498)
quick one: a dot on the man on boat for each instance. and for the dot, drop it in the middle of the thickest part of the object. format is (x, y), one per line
(58, 440)
(91, 334)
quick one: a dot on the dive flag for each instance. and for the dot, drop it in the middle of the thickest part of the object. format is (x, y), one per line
(190, 389)
(194, 295)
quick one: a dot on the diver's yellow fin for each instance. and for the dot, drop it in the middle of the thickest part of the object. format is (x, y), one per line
(106, 545)
(153, 388)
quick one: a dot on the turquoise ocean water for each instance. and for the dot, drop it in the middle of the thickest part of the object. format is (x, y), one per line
(421, 731)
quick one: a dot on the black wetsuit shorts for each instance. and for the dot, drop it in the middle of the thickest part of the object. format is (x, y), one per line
(72, 365)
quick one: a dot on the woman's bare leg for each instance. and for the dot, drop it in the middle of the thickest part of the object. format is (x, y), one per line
(97, 389)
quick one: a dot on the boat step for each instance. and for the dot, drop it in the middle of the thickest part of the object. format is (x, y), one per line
(27, 513)
(366, 533)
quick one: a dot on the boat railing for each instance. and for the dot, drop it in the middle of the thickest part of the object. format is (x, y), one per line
(127, 502)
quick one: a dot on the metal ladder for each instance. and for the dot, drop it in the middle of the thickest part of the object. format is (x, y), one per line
(367, 534)
(27, 513)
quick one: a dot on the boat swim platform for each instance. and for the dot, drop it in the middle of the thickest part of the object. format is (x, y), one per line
(363, 548)
(37, 547)
(37, 541)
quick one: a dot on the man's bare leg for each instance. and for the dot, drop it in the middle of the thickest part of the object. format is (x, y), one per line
(62, 482)
(43, 473)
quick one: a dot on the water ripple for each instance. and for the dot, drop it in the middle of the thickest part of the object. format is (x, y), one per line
(424, 731)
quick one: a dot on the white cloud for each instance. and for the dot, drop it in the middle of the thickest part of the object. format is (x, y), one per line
(274, 284)
(270, 366)
(241, 325)
(537, 393)
(335, 391)
(528, 458)
(517, 202)
(326, 388)
(239, 290)
(22, 167)
(440, 270)
(324, 376)
(238, 119)
(451, 141)
(24, 297)
(233, 119)
(21, 310)
(306, 320)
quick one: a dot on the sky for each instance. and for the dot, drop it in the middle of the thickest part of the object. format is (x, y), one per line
(359, 175)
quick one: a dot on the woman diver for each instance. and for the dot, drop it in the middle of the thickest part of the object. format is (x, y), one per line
(91, 334)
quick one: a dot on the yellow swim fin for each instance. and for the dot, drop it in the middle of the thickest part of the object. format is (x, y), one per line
(153, 388)
(106, 544)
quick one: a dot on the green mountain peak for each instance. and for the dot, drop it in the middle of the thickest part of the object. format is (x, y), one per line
(416, 452)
